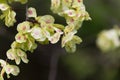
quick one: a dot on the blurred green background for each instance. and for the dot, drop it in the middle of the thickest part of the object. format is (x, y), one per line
(51, 62)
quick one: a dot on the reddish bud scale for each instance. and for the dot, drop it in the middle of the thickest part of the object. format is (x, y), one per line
(79, 1)
(19, 37)
(30, 12)
(24, 28)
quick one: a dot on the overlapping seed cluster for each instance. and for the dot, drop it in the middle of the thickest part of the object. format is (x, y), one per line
(42, 29)
(8, 15)
(75, 13)
(8, 69)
